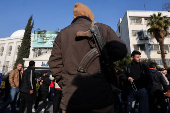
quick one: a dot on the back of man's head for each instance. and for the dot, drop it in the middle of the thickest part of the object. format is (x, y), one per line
(31, 63)
(82, 10)
(152, 65)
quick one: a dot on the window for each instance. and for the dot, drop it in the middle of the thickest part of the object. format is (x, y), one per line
(136, 47)
(139, 47)
(159, 61)
(135, 33)
(119, 29)
(39, 52)
(136, 21)
(156, 47)
(147, 20)
(166, 47)
(45, 39)
(9, 50)
(18, 47)
(1, 51)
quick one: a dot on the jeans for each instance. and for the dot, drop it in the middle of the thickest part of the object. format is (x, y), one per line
(141, 96)
(12, 99)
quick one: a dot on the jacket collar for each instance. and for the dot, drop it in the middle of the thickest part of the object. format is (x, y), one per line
(84, 17)
(29, 67)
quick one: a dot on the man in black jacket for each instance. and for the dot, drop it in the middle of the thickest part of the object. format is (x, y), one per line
(27, 88)
(138, 81)
(43, 91)
(156, 91)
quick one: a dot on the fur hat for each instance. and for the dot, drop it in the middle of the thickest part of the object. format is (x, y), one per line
(82, 10)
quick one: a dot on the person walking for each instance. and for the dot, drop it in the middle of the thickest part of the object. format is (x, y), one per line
(157, 93)
(43, 91)
(89, 91)
(27, 88)
(57, 99)
(139, 82)
(15, 83)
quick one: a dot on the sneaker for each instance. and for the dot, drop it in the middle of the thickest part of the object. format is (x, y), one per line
(33, 110)
(43, 110)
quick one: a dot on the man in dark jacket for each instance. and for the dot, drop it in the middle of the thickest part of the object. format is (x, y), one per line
(156, 91)
(27, 88)
(43, 91)
(90, 91)
(139, 81)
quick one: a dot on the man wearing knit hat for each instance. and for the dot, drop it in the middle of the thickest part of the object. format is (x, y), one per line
(83, 92)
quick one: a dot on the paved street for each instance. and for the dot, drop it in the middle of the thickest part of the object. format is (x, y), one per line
(49, 108)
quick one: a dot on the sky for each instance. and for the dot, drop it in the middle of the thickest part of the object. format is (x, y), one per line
(58, 14)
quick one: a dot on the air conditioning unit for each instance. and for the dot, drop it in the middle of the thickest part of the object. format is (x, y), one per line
(146, 38)
(159, 52)
(141, 38)
(166, 52)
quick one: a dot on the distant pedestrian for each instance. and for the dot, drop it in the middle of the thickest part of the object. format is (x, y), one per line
(57, 99)
(15, 83)
(164, 71)
(157, 93)
(43, 91)
(139, 82)
(27, 88)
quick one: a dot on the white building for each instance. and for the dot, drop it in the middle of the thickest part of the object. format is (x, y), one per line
(132, 29)
(9, 49)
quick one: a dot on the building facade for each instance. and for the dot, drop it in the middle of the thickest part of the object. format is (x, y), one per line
(9, 47)
(41, 47)
(132, 29)
(40, 50)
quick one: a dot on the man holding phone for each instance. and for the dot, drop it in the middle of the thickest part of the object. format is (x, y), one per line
(15, 83)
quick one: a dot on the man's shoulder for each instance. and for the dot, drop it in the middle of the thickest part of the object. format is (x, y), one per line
(13, 71)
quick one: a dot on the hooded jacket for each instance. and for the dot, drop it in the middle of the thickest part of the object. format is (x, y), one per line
(158, 80)
(83, 91)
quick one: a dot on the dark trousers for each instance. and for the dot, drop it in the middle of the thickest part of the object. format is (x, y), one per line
(56, 101)
(26, 98)
(141, 96)
(158, 97)
(41, 96)
(109, 109)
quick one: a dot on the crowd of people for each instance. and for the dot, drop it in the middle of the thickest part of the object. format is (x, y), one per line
(23, 90)
(86, 84)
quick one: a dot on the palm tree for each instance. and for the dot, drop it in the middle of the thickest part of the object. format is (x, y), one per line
(159, 30)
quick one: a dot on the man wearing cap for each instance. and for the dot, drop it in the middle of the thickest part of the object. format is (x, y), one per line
(90, 91)
(43, 91)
